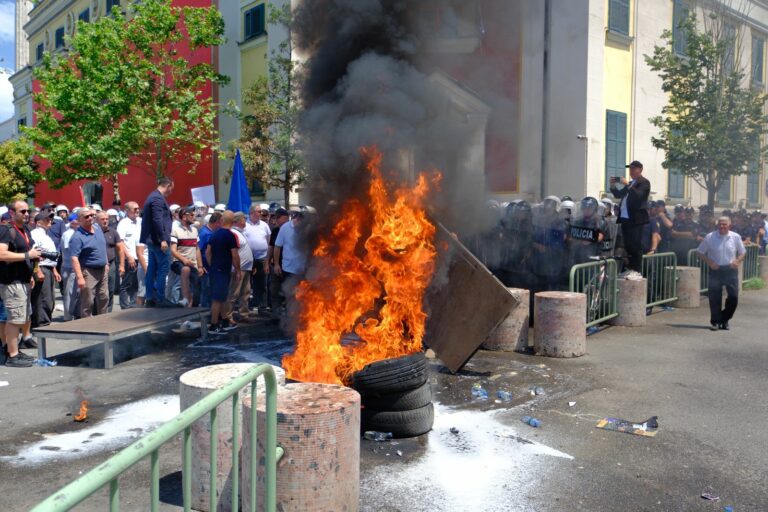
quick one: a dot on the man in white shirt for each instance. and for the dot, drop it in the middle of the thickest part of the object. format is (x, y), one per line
(723, 251)
(129, 230)
(257, 232)
(290, 255)
(240, 283)
(46, 276)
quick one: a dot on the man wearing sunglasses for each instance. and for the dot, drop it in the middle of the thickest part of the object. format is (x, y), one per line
(88, 248)
(17, 259)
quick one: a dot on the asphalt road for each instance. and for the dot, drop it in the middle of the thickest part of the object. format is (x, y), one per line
(707, 388)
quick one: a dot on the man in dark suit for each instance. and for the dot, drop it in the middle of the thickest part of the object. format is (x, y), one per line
(633, 211)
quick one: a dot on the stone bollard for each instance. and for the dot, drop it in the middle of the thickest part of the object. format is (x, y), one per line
(688, 286)
(762, 266)
(318, 426)
(512, 334)
(631, 303)
(561, 324)
(195, 385)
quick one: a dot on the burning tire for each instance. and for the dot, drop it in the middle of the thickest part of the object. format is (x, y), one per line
(404, 401)
(401, 423)
(391, 375)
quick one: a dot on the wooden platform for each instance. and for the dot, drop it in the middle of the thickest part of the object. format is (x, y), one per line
(117, 325)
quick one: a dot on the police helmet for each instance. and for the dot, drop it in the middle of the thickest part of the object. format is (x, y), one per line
(589, 205)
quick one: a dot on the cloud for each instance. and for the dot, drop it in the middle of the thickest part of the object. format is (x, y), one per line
(6, 96)
(7, 21)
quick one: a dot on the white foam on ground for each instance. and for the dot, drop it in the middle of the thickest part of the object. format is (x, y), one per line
(118, 429)
(483, 467)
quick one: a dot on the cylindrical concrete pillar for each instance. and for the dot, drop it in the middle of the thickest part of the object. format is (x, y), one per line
(512, 334)
(762, 266)
(688, 286)
(631, 303)
(561, 324)
(195, 385)
(318, 426)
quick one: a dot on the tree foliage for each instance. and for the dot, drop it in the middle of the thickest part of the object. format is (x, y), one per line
(712, 125)
(269, 143)
(18, 170)
(125, 94)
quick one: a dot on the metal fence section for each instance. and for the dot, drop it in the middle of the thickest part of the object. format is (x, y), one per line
(751, 262)
(597, 280)
(109, 472)
(694, 260)
(661, 272)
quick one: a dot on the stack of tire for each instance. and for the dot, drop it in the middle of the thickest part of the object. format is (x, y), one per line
(396, 396)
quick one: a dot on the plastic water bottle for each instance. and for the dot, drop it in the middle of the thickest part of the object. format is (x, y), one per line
(46, 362)
(373, 435)
(479, 392)
(504, 396)
(529, 420)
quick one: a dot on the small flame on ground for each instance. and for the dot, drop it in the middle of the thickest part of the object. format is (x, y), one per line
(83, 414)
(368, 282)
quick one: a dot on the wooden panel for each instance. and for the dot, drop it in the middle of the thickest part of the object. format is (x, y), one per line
(116, 322)
(465, 303)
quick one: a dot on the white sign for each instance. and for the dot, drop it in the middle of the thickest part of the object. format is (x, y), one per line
(205, 194)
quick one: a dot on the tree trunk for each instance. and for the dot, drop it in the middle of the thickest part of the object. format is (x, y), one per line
(287, 188)
(711, 196)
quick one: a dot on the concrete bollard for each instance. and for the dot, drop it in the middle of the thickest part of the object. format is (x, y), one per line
(762, 265)
(512, 334)
(561, 324)
(631, 303)
(318, 426)
(195, 385)
(688, 286)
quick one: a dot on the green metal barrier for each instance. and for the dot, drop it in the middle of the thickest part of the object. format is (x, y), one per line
(694, 260)
(597, 280)
(110, 471)
(751, 262)
(661, 272)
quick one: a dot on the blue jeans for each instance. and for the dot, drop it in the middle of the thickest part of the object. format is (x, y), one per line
(157, 270)
(205, 291)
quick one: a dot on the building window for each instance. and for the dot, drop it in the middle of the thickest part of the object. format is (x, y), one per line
(59, 38)
(111, 4)
(758, 51)
(253, 22)
(729, 37)
(39, 50)
(21, 122)
(676, 184)
(615, 145)
(84, 16)
(724, 192)
(618, 16)
(753, 188)
(680, 13)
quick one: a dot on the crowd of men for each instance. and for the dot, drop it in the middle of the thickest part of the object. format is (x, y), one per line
(535, 246)
(158, 255)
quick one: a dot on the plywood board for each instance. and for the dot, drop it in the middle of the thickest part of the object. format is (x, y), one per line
(117, 322)
(465, 303)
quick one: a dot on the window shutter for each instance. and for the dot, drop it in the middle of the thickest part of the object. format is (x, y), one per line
(618, 16)
(615, 145)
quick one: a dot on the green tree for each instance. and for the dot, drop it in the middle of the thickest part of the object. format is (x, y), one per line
(125, 94)
(711, 126)
(269, 144)
(18, 170)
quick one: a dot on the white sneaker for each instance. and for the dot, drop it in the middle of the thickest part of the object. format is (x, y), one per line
(59, 307)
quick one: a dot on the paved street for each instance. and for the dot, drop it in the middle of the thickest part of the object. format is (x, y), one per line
(708, 390)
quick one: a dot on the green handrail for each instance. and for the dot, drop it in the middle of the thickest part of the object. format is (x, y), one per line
(597, 280)
(110, 471)
(661, 272)
(694, 260)
(751, 262)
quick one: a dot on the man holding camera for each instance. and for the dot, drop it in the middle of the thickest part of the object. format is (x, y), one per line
(633, 211)
(17, 257)
(46, 275)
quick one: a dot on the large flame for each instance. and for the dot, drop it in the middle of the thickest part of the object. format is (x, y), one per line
(368, 282)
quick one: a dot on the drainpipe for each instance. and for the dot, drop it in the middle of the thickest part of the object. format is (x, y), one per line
(545, 99)
(585, 140)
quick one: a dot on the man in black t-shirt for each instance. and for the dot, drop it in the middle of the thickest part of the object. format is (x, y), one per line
(17, 259)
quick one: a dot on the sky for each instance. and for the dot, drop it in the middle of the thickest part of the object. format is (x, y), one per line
(7, 56)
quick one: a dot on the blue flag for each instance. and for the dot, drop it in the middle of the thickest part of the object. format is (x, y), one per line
(239, 195)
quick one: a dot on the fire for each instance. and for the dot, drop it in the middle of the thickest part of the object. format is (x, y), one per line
(368, 282)
(83, 414)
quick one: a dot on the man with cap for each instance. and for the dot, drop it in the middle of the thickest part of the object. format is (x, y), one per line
(275, 283)
(187, 260)
(257, 233)
(59, 225)
(724, 252)
(46, 277)
(633, 211)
